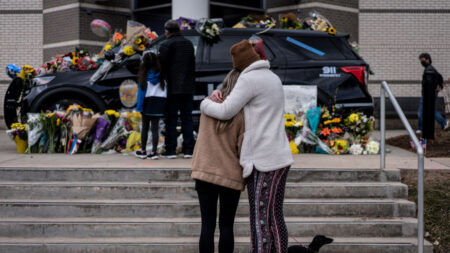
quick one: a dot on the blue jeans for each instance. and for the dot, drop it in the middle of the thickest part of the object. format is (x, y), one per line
(439, 118)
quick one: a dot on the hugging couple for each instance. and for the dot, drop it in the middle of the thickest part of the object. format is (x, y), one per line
(241, 142)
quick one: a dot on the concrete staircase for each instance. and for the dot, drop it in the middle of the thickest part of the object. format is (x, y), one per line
(156, 210)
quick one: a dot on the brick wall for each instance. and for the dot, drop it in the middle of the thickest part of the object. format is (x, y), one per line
(116, 21)
(393, 34)
(22, 37)
(344, 22)
(345, 3)
(61, 26)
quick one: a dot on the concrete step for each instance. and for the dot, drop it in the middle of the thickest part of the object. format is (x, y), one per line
(185, 190)
(190, 208)
(190, 245)
(185, 227)
(176, 174)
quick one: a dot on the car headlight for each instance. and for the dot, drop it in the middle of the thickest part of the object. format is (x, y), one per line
(42, 80)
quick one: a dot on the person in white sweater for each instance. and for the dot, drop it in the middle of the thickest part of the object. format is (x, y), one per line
(265, 154)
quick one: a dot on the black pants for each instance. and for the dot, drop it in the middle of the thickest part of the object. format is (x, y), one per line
(184, 104)
(208, 194)
(146, 120)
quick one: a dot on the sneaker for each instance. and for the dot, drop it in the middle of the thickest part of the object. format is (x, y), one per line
(418, 131)
(141, 154)
(187, 156)
(447, 126)
(153, 156)
(169, 155)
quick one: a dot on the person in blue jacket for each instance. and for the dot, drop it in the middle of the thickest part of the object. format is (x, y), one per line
(151, 102)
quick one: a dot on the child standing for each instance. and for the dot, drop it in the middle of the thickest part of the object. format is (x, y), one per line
(151, 102)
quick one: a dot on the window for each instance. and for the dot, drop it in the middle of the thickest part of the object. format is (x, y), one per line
(316, 48)
(220, 51)
(194, 39)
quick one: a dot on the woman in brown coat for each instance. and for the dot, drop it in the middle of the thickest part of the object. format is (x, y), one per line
(218, 174)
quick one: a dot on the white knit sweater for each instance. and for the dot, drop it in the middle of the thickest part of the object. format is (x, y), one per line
(259, 91)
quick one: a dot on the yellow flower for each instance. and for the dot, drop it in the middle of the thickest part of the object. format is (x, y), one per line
(332, 31)
(49, 115)
(86, 110)
(294, 148)
(107, 47)
(139, 41)
(75, 60)
(58, 121)
(73, 107)
(289, 123)
(128, 51)
(353, 117)
(289, 116)
(142, 47)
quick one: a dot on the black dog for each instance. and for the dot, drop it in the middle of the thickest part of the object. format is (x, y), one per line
(314, 246)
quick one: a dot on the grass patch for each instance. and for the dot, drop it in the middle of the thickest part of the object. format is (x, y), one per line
(436, 205)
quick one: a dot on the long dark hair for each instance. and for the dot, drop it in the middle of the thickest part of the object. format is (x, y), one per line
(149, 61)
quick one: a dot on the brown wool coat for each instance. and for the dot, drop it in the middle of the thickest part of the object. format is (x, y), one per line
(216, 155)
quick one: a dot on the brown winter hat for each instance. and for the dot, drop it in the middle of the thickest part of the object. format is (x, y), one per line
(243, 55)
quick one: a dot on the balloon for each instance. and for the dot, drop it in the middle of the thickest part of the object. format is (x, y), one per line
(101, 28)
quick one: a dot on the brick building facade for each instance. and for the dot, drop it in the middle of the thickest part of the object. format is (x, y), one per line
(391, 34)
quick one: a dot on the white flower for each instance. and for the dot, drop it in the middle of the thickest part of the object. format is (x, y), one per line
(356, 149)
(298, 124)
(373, 147)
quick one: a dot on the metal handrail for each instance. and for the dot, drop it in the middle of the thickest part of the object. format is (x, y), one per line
(385, 89)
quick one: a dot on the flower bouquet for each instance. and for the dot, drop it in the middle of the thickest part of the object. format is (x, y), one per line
(292, 126)
(18, 134)
(318, 22)
(50, 128)
(331, 126)
(115, 135)
(290, 21)
(81, 126)
(101, 129)
(208, 29)
(359, 127)
(186, 23)
(256, 21)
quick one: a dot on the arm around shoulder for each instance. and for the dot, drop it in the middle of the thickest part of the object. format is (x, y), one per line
(238, 98)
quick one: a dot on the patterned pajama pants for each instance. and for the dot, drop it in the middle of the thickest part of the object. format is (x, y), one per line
(266, 196)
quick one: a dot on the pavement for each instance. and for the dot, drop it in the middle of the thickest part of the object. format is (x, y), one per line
(397, 158)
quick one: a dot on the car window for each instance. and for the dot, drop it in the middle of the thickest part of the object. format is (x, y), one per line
(194, 39)
(220, 51)
(316, 48)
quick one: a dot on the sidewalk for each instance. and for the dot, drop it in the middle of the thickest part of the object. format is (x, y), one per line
(397, 158)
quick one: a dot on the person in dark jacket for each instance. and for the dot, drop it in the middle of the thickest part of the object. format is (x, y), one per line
(425, 60)
(178, 63)
(431, 82)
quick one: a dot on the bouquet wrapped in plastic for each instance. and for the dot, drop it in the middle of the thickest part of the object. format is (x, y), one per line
(34, 133)
(208, 29)
(19, 135)
(318, 22)
(101, 129)
(116, 133)
(81, 126)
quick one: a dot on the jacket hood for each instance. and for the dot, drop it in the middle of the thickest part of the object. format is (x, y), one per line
(261, 64)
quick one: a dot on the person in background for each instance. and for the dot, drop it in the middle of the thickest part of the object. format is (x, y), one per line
(217, 173)
(151, 102)
(432, 83)
(177, 58)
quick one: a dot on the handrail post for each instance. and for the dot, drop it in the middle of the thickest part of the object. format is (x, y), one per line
(420, 156)
(382, 128)
(420, 200)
